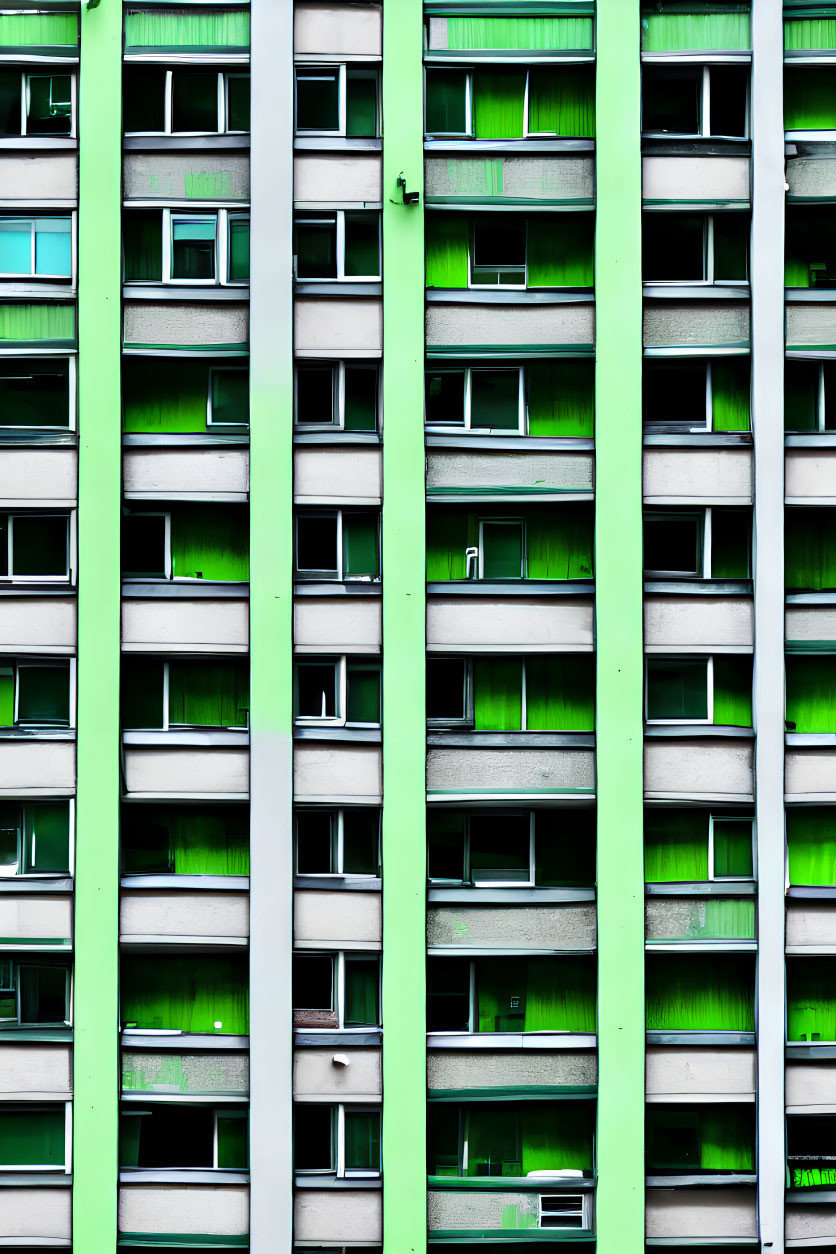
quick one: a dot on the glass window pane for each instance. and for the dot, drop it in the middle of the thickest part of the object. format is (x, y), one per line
(34, 392)
(361, 841)
(674, 393)
(53, 253)
(361, 556)
(194, 100)
(362, 990)
(142, 694)
(32, 1138)
(315, 842)
(316, 249)
(730, 543)
(495, 399)
(363, 698)
(731, 247)
(445, 846)
(444, 397)
(15, 246)
(316, 544)
(233, 1140)
(313, 982)
(671, 102)
(729, 85)
(143, 98)
(677, 689)
(142, 239)
(499, 847)
(43, 695)
(143, 546)
(446, 102)
(49, 104)
(313, 1149)
(361, 398)
(238, 102)
(362, 1140)
(502, 550)
(361, 104)
(672, 248)
(11, 837)
(315, 394)
(43, 994)
(446, 698)
(316, 690)
(829, 396)
(239, 250)
(448, 995)
(733, 848)
(318, 100)
(230, 398)
(673, 546)
(193, 248)
(10, 102)
(362, 244)
(39, 546)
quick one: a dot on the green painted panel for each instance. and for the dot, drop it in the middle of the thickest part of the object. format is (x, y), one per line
(19, 30)
(187, 31)
(527, 33)
(25, 323)
(447, 239)
(812, 33)
(810, 99)
(681, 32)
(811, 845)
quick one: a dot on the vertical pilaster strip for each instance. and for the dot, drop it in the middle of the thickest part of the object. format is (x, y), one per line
(271, 634)
(767, 278)
(404, 638)
(618, 593)
(96, 1040)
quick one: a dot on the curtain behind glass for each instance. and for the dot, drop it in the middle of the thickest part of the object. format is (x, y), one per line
(191, 994)
(210, 542)
(559, 251)
(561, 398)
(561, 101)
(498, 103)
(559, 542)
(689, 993)
(811, 693)
(447, 236)
(811, 845)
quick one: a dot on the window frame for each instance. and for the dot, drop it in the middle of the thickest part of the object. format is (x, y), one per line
(70, 552)
(494, 287)
(338, 392)
(167, 725)
(356, 1173)
(69, 215)
(338, 990)
(705, 131)
(16, 962)
(336, 217)
(71, 357)
(221, 258)
(47, 662)
(689, 429)
(708, 279)
(167, 557)
(37, 1107)
(702, 517)
(129, 1110)
(25, 96)
(468, 133)
(467, 423)
(322, 574)
(337, 818)
(688, 658)
(24, 804)
(341, 663)
(503, 522)
(222, 107)
(713, 878)
(443, 881)
(467, 718)
(370, 71)
(821, 427)
(468, 721)
(217, 369)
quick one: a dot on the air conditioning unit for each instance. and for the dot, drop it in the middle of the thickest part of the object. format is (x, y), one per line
(566, 1210)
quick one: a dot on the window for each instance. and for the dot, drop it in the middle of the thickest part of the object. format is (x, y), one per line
(37, 392)
(39, 248)
(202, 994)
(713, 543)
(810, 396)
(696, 845)
(337, 100)
(509, 848)
(810, 550)
(36, 694)
(684, 395)
(343, 245)
(170, 246)
(810, 687)
(185, 840)
(229, 396)
(340, 692)
(810, 1141)
(811, 1000)
(695, 248)
(498, 253)
(679, 690)
(700, 100)
(340, 395)
(511, 995)
(34, 547)
(35, 838)
(36, 104)
(811, 845)
(186, 543)
(707, 992)
(36, 1138)
(338, 545)
(809, 96)
(336, 1140)
(500, 102)
(171, 696)
(176, 1136)
(183, 395)
(506, 250)
(185, 101)
(34, 992)
(546, 543)
(510, 693)
(344, 842)
(336, 991)
(701, 1139)
(497, 1139)
(810, 248)
(476, 399)
(565, 1210)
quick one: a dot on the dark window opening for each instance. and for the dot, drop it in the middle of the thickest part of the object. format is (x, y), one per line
(446, 689)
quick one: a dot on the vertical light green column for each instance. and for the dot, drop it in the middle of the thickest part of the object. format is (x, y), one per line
(618, 593)
(96, 1042)
(404, 721)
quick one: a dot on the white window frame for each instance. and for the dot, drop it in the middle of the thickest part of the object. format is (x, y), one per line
(731, 879)
(705, 363)
(223, 92)
(25, 96)
(709, 679)
(467, 425)
(702, 517)
(504, 522)
(222, 114)
(213, 370)
(16, 964)
(708, 279)
(336, 218)
(355, 1173)
(167, 725)
(340, 719)
(821, 412)
(586, 1212)
(69, 568)
(43, 875)
(705, 115)
(468, 107)
(307, 574)
(72, 390)
(467, 868)
(493, 287)
(221, 1113)
(466, 721)
(12, 276)
(337, 821)
(167, 559)
(338, 393)
(312, 72)
(36, 1107)
(337, 958)
(47, 662)
(221, 218)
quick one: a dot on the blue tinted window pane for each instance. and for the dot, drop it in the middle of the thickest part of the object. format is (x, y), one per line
(52, 246)
(15, 246)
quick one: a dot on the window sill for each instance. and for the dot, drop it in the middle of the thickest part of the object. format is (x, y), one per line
(210, 293)
(813, 439)
(310, 287)
(817, 1050)
(509, 740)
(207, 883)
(171, 1039)
(661, 145)
(183, 143)
(709, 1179)
(185, 1175)
(509, 296)
(38, 143)
(20, 587)
(154, 943)
(194, 440)
(812, 892)
(811, 598)
(336, 588)
(25, 437)
(500, 1041)
(524, 147)
(816, 1197)
(18, 1034)
(499, 589)
(333, 435)
(810, 740)
(337, 1038)
(732, 56)
(336, 143)
(692, 731)
(185, 590)
(495, 494)
(37, 733)
(516, 1184)
(54, 1177)
(339, 883)
(700, 587)
(359, 735)
(806, 56)
(478, 56)
(473, 896)
(36, 884)
(503, 441)
(195, 736)
(313, 1180)
(676, 437)
(41, 289)
(810, 295)
(697, 291)
(703, 888)
(701, 1038)
(711, 945)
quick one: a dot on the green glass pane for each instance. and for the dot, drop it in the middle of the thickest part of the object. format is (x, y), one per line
(361, 557)
(565, 848)
(449, 533)
(361, 398)
(31, 1137)
(362, 245)
(317, 99)
(166, 394)
(801, 396)
(730, 394)
(561, 101)
(10, 119)
(801, 34)
(495, 400)
(560, 693)
(238, 102)
(446, 240)
(811, 999)
(185, 840)
(497, 694)
(811, 845)
(194, 100)
(7, 696)
(47, 830)
(733, 848)
(233, 1141)
(43, 994)
(230, 398)
(811, 693)
(677, 689)
(210, 542)
(682, 32)
(44, 321)
(208, 694)
(733, 690)
(502, 550)
(810, 550)
(20, 30)
(362, 1140)
(560, 250)
(142, 240)
(361, 105)
(362, 993)
(143, 98)
(536, 995)
(316, 249)
(361, 841)
(363, 697)
(675, 846)
(559, 542)
(731, 247)
(193, 248)
(730, 543)
(43, 695)
(809, 99)
(446, 102)
(39, 546)
(191, 994)
(142, 694)
(498, 103)
(700, 992)
(239, 250)
(561, 398)
(193, 30)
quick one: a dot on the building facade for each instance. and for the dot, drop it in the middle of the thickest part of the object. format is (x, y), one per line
(418, 625)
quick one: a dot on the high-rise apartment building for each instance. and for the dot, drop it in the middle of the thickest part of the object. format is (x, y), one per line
(418, 626)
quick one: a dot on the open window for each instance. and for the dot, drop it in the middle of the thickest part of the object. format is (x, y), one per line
(184, 395)
(34, 992)
(711, 992)
(172, 246)
(341, 842)
(35, 695)
(338, 545)
(510, 1139)
(340, 101)
(36, 838)
(172, 1136)
(715, 690)
(698, 845)
(336, 1140)
(342, 396)
(179, 695)
(554, 397)
(695, 101)
(810, 1159)
(36, 247)
(336, 692)
(35, 548)
(493, 251)
(701, 1139)
(695, 394)
(710, 543)
(809, 396)
(36, 1137)
(510, 995)
(198, 993)
(168, 839)
(509, 848)
(695, 248)
(498, 102)
(340, 245)
(185, 101)
(37, 104)
(186, 543)
(510, 693)
(336, 991)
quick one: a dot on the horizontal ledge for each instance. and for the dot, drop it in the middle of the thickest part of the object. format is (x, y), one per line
(810, 1050)
(508, 951)
(700, 1038)
(485, 895)
(208, 883)
(697, 439)
(810, 740)
(517, 1184)
(184, 1175)
(185, 590)
(516, 588)
(517, 443)
(305, 1180)
(711, 945)
(505, 1041)
(527, 146)
(337, 588)
(324, 287)
(193, 440)
(695, 292)
(711, 56)
(712, 1180)
(811, 598)
(339, 883)
(700, 731)
(548, 56)
(812, 892)
(184, 143)
(328, 1037)
(335, 143)
(332, 435)
(501, 296)
(701, 587)
(194, 737)
(209, 294)
(716, 888)
(510, 740)
(141, 1038)
(36, 884)
(355, 735)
